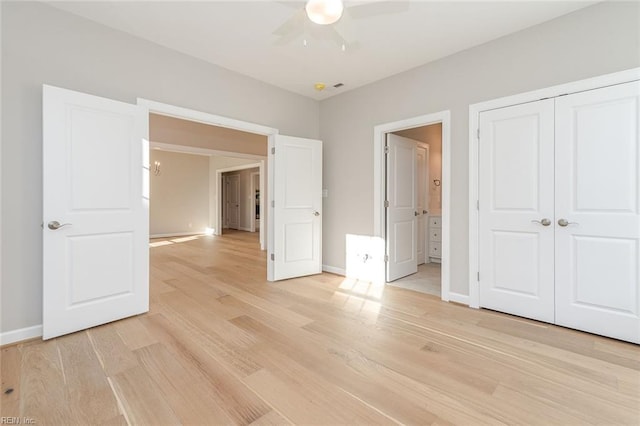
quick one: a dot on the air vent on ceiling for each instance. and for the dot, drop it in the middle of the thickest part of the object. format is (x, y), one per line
(338, 85)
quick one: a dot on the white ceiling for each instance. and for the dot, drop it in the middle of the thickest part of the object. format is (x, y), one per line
(237, 35)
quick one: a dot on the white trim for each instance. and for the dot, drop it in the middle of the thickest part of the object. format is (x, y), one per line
(474, 111)
(459, 298)
(21, 334)
(271, 143)
(206, 118)
(334, 270)
(379, 179)
(202, 151)
(240, 167)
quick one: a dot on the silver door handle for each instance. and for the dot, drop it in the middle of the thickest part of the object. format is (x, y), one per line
(316, 213)
(54, 224)
(424, 212)
(543, 222)
(564, 222)
(416, 213)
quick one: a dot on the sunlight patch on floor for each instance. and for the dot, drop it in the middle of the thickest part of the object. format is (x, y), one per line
(157, 242)
(360, 297)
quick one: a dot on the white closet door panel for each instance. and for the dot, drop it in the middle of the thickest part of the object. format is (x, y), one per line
(598, 192)
(516, 193)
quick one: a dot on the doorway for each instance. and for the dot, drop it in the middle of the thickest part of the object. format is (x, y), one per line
(427, 141)
(441, 121)
(237, 206)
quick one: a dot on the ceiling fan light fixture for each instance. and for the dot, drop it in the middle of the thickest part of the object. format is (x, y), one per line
(324, 12)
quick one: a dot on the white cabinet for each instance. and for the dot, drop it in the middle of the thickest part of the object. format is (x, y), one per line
(435, 238)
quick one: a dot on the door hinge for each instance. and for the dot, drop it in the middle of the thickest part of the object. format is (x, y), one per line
(386, 203)
(386, 258)
(273, 203)
(273, 257)
(478, 276)
(478, 133)
(273, 150)
(478, 205)
(386, 149)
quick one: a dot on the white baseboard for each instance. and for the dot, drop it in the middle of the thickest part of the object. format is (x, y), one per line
(244, 229)
(334, 270)
(176, 234)
(13, 336)
(459, 298)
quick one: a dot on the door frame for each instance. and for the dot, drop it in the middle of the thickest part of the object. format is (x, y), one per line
(219, 172)
(230, 123)
(425, 248)
(474, 114)
(379, 182)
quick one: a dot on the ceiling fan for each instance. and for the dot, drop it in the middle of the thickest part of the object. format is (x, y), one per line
(332, 19)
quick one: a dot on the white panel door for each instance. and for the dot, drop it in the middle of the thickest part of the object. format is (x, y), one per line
(297, 207)
(516, 210)
(95, 211)
(232, 195)
(422, 153)
(598, 194)
(402, 195)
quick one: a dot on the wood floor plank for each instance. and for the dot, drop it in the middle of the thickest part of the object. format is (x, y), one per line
(10, 372)
(133, 333)
(89, 395)
(43, 385)
(272, 418)
(112, 352)
(141, 400)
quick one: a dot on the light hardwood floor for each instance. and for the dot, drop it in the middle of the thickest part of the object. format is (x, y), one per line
(220, 345)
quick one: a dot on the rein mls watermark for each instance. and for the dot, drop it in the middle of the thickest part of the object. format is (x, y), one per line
(17, 421)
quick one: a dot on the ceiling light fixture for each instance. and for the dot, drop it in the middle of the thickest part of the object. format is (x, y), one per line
(324, 12)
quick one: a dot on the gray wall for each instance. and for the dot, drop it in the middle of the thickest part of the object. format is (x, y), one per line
(41, 44)
(179, 194)
(597, 40)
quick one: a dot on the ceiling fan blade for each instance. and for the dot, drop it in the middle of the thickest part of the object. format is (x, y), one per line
(290, 37)
(292, 3)
(347, 46)
(346, 28)
(293, 24)
(366, 10)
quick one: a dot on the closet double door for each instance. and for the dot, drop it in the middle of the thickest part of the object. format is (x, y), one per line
(559, 210)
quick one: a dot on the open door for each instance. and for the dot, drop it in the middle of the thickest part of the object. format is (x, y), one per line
(232, 201)
(296, 203)
(95, 211)
(402, 201)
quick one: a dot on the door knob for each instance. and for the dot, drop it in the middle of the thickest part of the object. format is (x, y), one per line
(416, 213)
(564, 222)
(316, 213)
(424, 212)
(543, 222)
(54, 224)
